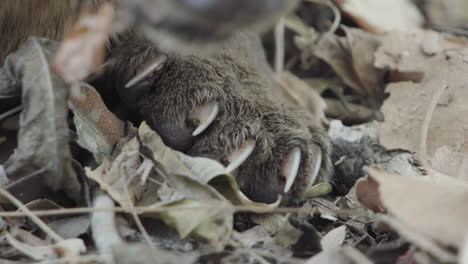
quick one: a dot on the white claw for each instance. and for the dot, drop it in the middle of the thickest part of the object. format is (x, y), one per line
(238, 156)
(290, 167)
(156, 65)
(205, 114)
(315, 171)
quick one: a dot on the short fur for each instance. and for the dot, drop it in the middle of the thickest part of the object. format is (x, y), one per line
(240, 80)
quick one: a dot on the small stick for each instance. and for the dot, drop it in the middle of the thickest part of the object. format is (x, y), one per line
(422, 153)
(279, 46)
(30, 214)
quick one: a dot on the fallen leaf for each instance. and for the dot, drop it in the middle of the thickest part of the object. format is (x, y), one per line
(435, 208)
(121, 178)
(442, 63)
(66, 248)
(448, 15)
(351, 57)
(98, 129)
(71, 227)
(380, 16)
(367, 193)
(42, 158)
(297, 92)
(183, 168)
(334, 238)
(251, 237)
(83, 49)
(208, 222)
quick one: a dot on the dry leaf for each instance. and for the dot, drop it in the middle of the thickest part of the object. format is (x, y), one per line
(251, 237)
(42, 158)
(297, 92)
(334, 239)
(442, 63)
(380, 16)
(121, 178)
(437, 209)
(367, 194)
(98, 129)
(84, 48)
(351, 57)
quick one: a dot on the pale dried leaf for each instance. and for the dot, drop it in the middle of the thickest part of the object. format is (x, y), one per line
(437, 209)
(42, 158)
(334, 238)
(84, 47)
(251, 237)
(441, 63)
(195, 177)
(380, 16)
(120, 178)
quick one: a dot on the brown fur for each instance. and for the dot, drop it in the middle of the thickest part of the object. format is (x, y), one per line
(239, 78)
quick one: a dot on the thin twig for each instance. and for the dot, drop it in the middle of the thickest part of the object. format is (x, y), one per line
(11, 112)
(336, 13)
(160, 209)
(138, 222)
(279, 46)
(51, 233)
(422, 153)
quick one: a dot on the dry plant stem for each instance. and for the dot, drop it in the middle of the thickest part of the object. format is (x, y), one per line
(336, 13)
(279, 46)
(422, 153)
(138, 221)
(32, 216)
(152, 210)
(103, 226)
(418, 239)
(11, 112)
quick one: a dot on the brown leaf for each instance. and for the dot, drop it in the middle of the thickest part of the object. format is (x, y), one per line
(298, 92)
(98, 129)
(83, 49)
(351, 57)
(442, 63)
(435, 207)
(367, 193)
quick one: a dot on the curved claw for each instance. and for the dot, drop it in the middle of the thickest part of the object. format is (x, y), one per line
(152, 67)
(204, 114)
(239, 155)
(291, 167)
(316, 168)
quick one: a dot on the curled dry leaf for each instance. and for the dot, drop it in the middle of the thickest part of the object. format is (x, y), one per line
(367, 194)
(42, 158)
(83, 49)
(98, 129)
(182, 168)
(297, 92)
(380, 16)
(63, 249)
(351, 57)
(121, 178)
(406, 109)
(437, 209)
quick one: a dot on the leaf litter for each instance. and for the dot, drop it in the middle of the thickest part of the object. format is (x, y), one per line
(407, 143)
